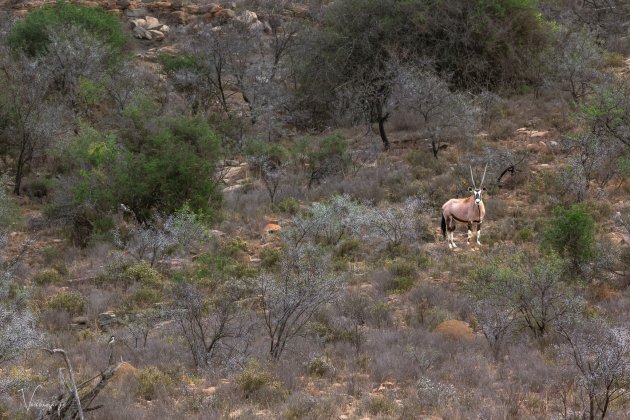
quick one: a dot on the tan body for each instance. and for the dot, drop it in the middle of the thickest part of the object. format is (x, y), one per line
(463, 210)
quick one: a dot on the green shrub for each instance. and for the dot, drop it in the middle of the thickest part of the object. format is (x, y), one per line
(269, 258)
(143, 298)
(525, 234)
(379, 405)
(31, 33)
(37, 187)
(348, 248)
(47, 276)
(150, 380)
(402, 268)
(323, 156)
(289, 205)
(70, 302)
(571, 233)
(255, 381)
(164, 165)
(400, 284)
(144, 274)
(319, 366)
(272, 152)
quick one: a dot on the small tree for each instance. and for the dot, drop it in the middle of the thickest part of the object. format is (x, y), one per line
(395, 225)
(497, 324)
(208, 325)
(444, 114)
(149, 241)
(576, 61)
(571, 233)
(28, 121)
(290, 298)
(323, 157)
(600, 357)
(607, 112)
(535, 295)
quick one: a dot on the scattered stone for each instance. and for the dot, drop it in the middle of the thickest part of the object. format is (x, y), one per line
(152, 23)
(141, 33)
(297, 10)
(455, 329)
(192, 9)
(168, 50)
(156, 35)
(257, 27)
(136, 13)
(125, 370)
(106, 320)
(122, 4)
(180, 16)
(80, 320)
(272, 228)
(235, 173)
(232, 188)
(217, 233)
(225, 14)
(210, 391)
(540, 147)
(177, 4)
(539, 134)
(247, 17)
(137, 22)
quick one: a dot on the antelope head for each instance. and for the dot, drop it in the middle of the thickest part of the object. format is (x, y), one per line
(477, 191)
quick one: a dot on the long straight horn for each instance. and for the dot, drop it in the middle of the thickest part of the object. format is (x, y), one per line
(484, 175)
(472, 177)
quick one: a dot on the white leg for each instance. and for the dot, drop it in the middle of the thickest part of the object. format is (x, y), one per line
(478, 235)
(469, 236)
(453, 239)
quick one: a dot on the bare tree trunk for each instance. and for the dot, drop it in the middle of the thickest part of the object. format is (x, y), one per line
(381, 127)
(75, 391)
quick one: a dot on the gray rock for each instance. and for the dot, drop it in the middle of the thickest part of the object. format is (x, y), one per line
(136, 13)
(80, 320)
(106, 320)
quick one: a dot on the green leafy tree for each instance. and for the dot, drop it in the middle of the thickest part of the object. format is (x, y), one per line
(571, 233)
(32, 34)
(353, 59)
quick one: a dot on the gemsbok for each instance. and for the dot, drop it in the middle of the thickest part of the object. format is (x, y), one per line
(468, 210)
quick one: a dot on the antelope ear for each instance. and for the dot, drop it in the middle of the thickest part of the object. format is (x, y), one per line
(470, 189)
(484, 189)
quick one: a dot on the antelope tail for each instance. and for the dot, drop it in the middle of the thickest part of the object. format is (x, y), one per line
(443, 227)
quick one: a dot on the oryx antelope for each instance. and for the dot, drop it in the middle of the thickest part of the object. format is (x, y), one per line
(468, 210)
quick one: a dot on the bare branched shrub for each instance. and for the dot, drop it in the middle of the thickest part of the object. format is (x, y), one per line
(496, 324)
(30, 120)
(575, 60)
(600, 358)
(395, 225)
(151, 241)
(435, 394)
(327, 221)
(140, 324)
(290, 298)
(216, 328)
(444, 114)
(535, 294)
(593, 159)
(17, 332)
